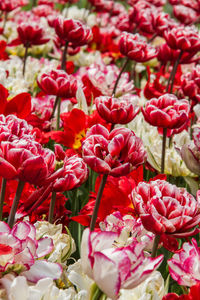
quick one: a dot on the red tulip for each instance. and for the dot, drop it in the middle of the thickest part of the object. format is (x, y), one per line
(152, 2)
(75, 172)
(117, 110)
(166, 111)
(102, 5)
(8, 5)
(183, 38)
(26, 160)
(135, 48)
(31, 34)
(185, 15)
(58, 83)
(116, 153)
(190, 84)
(20, 105)
(161, 22)
(72, 31)
(165, 208)
(165, 54)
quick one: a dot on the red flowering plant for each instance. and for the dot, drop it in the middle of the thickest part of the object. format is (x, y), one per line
(122, 158)
(71, 31)
(166, 112)
(60, 84)
(31, 34)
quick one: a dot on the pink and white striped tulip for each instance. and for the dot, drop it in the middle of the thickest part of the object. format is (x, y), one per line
(184, 266)
(117, 110)
(21, 252)
(114, 268)
(165, 208)
(129, 229)
(116, 153)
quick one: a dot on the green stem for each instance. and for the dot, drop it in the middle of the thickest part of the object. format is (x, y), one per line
(163, 150)
(58, 115)
(152, 38)
(34, 3)
(5, 20)
(25, 58)
(2, 196)
(98, 293)
(119, 76)
(11, 217)
(184, 289)
(52, 206)
(155, 245)
(97, 203)
(55, 105)
(174, 70)
(64, 57)
(173, 74)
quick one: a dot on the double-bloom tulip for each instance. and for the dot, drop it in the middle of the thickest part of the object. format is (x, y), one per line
(73, 31)
(117, 110)
(58, 83)
(116, 153)
(166, 112)
(165, 208)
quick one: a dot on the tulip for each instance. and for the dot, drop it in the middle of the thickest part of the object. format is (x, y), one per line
(102, 5)
(193, 294)
(117, 110)
(18, 287)
(60, 84)
(116, 153)
(71, 176)
(128, 228)
(115, 268)
(166, 112)
(75, 172)
(182, 38)
(30, 34)
(73, 31)
(165, 208)
(190, 155)
(7, 5)
(157, 3)
(184, 14)
(190, 84)
(21, 252)
(184, 266)
(161, 22)
(13, 128)
(165, 54)
(26, 160)
(135, 48)
(153, 286)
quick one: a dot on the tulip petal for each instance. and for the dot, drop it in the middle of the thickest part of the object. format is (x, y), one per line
(106, 275)
(42, 269)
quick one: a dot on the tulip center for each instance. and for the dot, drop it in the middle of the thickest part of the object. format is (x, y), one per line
(78, 137)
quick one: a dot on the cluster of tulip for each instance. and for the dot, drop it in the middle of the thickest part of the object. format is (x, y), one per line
(99, 149)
